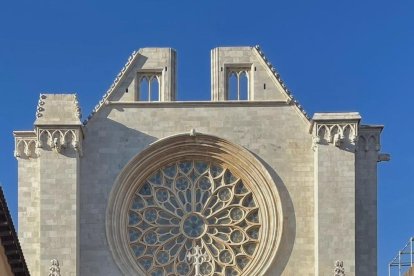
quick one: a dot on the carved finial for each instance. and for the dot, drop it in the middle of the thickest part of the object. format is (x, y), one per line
(54, 269)
(339, 268)
(193, 132)
(197, 258)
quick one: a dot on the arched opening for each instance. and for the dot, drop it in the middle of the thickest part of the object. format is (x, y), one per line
(232, 87)
(238, 85)
(243, 86)
(154, 94)
(143, 93)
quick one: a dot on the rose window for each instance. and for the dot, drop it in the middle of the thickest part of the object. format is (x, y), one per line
(193, 203)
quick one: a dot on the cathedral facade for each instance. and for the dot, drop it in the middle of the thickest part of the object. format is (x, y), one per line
(244, 184)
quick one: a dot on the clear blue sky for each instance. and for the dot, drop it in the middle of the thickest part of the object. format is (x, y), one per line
(333, 55)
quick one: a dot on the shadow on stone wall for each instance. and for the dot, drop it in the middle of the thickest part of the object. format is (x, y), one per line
(289, 223)
(108, 146)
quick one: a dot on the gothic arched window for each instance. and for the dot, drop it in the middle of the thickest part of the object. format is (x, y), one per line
(238, 84)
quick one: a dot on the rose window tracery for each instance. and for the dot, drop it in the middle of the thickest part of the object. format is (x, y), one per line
(189, 203)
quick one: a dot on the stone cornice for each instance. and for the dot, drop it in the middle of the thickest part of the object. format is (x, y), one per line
(198, 103)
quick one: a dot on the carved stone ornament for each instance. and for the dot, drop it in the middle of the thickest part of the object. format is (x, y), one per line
(339, 268)
(194, 193)
(40, 105)
(29, 143)
(334, 133)
(59, 139)
(54, 269)
(25, 147)
(369, 142)
(197, 257)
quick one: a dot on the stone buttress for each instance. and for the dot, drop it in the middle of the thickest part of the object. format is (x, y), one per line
(48, 168)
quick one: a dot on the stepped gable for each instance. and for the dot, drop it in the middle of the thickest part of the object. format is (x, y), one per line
(58, 109)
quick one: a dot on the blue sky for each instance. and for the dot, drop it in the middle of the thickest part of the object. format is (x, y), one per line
(333, 55)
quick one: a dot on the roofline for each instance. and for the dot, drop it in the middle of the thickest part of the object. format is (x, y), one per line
(276, 75)
(17, 265)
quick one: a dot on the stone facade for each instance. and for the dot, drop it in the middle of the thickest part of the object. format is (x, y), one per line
(323, 169)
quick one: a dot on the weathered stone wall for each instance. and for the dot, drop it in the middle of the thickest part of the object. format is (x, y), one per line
(275, 133)
(29, 206)
(366, 200)
(48, 162)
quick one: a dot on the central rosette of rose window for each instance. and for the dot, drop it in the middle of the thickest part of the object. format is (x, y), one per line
(189, 203)
(193, 226)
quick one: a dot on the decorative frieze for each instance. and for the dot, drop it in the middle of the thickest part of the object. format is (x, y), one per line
(339, 129)
(59, 139)
(25, 147)
(369, 141)
(25, 144)
(369, 138)
(336, 133)
(29, 143)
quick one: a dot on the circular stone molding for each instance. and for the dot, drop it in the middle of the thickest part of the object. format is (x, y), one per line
(185, 191)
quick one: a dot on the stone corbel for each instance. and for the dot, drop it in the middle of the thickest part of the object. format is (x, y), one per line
(384, 157)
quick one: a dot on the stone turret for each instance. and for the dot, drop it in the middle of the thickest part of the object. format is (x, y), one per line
(48, 162)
